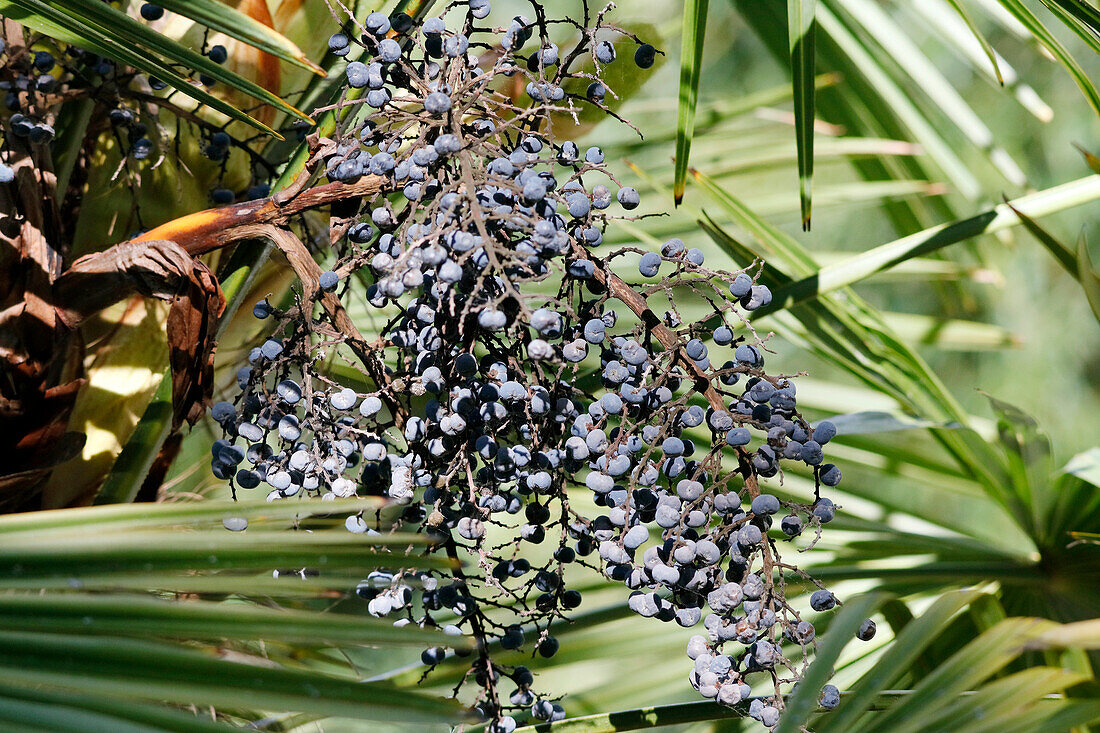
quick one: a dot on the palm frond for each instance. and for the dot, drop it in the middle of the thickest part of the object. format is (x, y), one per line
(109, 609)
(966, 691)
(891, 254)
(110, 32)
(1047, 39)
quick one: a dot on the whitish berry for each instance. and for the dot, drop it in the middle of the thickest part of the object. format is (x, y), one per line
(628, 198)
(765, 504)
(822, 600)
(741, 286)
(377, 24)
(339, 44)
(812, 453)
(328, 281)
(480, 9)
(791, 525)
(548, 56)
(437, 103)
(344, 399)
(649, 264)
(389, 50)
(738, 436)
(758, 297)
(830, 697)
(673, 247)
(824, 432)
(358, 75)
(824, 510)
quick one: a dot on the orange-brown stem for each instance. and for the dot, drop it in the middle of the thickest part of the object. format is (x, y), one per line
(206, 231)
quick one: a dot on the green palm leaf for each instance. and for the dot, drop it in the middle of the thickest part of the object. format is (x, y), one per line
(111, 33)
(891, 254)
(66, 27)
(1045, 37)
(958, 7)
(1076, 263)
(963, 693)
(803, 701)
(1082, 18)
(126, 30)
(801, 28)
(235, 24)
(85, 639)
(691, 57)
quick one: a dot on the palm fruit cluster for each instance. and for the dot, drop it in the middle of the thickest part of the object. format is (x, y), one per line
(520, 369)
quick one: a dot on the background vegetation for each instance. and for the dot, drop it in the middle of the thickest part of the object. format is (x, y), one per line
(965, 367)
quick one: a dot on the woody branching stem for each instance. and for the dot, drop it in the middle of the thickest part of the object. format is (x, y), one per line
(503, 377)
(480, 234)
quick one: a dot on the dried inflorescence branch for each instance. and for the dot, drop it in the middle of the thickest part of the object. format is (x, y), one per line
(103, 108)
(159, 269)
(520, 366)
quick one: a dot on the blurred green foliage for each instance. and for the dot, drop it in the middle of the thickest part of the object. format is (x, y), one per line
(913, 130)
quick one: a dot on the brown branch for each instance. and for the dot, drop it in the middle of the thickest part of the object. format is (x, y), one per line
(206, 231)
(636, 302)
(212, 229)
(309, 272)
(159, 269)
(161, 264)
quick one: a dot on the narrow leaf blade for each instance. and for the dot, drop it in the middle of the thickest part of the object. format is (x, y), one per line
(906, 648)
(801, 27)
(121, 27)
(232, 22)
(1080, 17)
(38, 15)
(842, 629)
(1045, 37)
(988, 49)
(858, 267)
(1090, 281)
(691, 56)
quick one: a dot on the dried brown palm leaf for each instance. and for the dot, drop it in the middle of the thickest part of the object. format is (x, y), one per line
(164, 270)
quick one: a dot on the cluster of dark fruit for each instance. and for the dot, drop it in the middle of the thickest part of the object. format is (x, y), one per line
(217, 142)
(517, 365)
(38, 78)
(28, 80)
